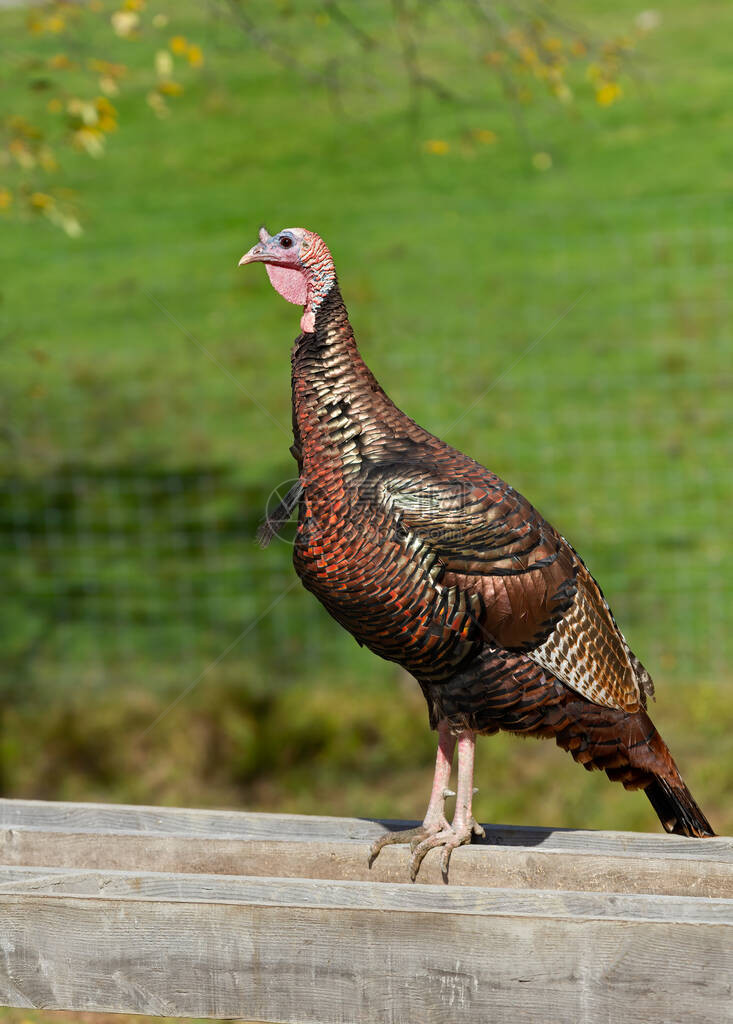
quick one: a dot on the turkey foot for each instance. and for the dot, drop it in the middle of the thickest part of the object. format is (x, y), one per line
(435, 830)
(435, 820)
(464, 826)
(450, 838)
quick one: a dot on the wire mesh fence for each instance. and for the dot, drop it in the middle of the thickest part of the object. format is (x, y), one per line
(619, 430)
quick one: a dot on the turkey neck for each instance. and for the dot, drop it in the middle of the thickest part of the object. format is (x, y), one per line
(338, 406)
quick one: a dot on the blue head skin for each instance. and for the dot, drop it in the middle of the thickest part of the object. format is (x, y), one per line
(299, 266)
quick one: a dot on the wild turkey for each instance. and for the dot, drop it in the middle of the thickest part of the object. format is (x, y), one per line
(435, 563)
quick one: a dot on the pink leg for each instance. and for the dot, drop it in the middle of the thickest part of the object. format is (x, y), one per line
(435, 820)
(464, 825)
(435, 813)
(464, 794)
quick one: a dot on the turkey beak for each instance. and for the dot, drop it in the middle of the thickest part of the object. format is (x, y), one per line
(257, 254)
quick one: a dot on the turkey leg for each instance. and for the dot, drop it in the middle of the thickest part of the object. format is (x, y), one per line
(435, 820)
(435, 830)
(464, 825)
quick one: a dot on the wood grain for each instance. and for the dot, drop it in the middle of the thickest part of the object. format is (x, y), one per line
(317, 951)
(223, 842)
(181, 912)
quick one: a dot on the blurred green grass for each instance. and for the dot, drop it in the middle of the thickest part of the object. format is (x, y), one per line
(134, 469)
(27, 1016)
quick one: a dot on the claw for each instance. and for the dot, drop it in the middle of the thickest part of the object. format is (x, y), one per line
(420, 849)
(444, 862)
(427, 837)
(389, 838)
(450, 838)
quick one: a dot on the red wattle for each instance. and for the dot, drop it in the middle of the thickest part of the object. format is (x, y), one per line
(289, 282)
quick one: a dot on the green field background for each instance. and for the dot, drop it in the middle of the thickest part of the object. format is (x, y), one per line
(570, 328)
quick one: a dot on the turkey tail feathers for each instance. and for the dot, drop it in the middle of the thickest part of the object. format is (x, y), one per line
(667, 792)
(677, 809)
(639, 759)
(511, 692)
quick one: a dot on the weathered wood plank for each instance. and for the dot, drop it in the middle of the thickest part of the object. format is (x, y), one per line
(305, 892)
(330, 953)
(478, 865)
(125, 818)
(169, 839)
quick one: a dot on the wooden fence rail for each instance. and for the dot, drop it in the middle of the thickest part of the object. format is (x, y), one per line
(278, 918)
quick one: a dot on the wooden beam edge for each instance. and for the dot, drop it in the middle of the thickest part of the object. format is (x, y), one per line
(19, 884)
(125, 819)
(497, 866)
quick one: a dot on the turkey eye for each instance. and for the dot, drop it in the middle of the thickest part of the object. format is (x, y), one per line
(286, 242)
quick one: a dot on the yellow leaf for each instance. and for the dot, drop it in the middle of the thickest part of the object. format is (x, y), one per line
(22, 126)
(438, 147)
(495, 58)
(41, 200)
(125, 23)
(195, 56)
(48, 161)
(108, 85)
(90, 139)
(71, 225)
(105, 107)
(63, 219)
(608, 94)
(157, 103)
(60, 62)
(553, 44)
(22, 155)
(163, 64)
(647, 21)
(105, 67)
(171, 88)
(85, 111)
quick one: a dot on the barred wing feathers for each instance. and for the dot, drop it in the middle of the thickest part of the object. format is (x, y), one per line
(538, 597)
